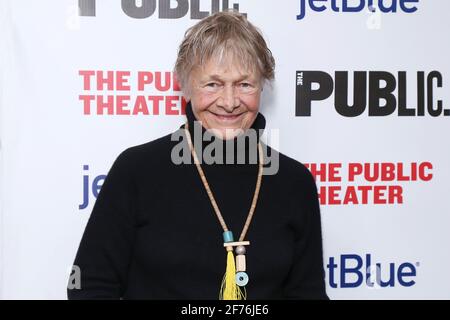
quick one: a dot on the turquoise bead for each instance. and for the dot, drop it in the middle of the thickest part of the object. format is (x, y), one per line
(241, 279)
(228, 236)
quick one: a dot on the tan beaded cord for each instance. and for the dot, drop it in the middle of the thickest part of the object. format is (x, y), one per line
(230, 290)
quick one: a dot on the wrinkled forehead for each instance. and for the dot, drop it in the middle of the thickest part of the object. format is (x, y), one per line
(226, 64)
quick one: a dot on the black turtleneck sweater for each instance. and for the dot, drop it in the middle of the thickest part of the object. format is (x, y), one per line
(153, 233)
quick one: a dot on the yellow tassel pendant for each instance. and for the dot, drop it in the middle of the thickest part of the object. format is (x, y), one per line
(229, 289)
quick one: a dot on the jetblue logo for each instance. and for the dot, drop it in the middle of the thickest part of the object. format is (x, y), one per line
(91, 186)
(352, 271)
(344, 6)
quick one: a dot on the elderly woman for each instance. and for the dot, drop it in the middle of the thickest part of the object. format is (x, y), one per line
(162, 228)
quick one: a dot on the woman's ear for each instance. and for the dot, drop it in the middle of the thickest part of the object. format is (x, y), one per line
(186, 90)
(186, 97)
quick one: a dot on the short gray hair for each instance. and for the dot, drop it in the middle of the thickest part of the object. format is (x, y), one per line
(224, 32)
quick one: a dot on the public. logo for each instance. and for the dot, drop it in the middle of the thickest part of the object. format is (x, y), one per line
(167, 9)
(375, 93)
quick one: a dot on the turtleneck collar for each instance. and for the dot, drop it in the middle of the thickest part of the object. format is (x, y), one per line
(245, 149)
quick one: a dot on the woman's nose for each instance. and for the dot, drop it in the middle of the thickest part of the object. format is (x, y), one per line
(229, 99)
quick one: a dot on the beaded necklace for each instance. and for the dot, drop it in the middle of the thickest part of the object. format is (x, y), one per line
(235, 275)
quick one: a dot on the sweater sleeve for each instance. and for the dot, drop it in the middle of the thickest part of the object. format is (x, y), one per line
(306, 279)
(106, 246)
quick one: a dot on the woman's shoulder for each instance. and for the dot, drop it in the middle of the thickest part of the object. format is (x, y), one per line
(151, 154)
(160, 144)
(291, 169)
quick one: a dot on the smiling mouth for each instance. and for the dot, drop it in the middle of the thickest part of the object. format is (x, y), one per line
(227, 117)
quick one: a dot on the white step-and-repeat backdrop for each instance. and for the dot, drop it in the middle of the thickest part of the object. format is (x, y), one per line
(361, 96)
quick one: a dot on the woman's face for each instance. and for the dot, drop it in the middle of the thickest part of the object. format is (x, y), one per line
(224, 97)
